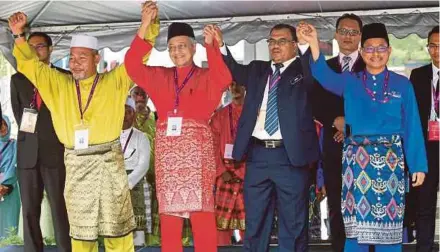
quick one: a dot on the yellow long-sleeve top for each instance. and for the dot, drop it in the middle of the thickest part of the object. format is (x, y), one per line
(105, 114)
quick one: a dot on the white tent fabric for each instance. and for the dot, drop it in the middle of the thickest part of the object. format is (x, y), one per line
(116, 22)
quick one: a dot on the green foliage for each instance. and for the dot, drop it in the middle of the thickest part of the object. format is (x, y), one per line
(11, 238)
(49, 241)
(411, 49)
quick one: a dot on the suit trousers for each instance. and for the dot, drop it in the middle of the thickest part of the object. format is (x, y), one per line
(427, 201)
(333, 182)
(271, 181)
(33, 182)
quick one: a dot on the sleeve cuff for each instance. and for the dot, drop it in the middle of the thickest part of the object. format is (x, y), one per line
(303, 48)
(223, 49)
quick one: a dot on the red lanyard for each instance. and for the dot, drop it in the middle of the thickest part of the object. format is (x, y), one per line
(34, 99)
(176, 85)
(128, 140)
(384, 89)
(232, 126)
(78, 93)
(436, 93)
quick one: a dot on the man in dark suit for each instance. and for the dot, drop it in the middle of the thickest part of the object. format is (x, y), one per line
(40, 158)
(426, 87)
(277, 137)
(329, 110)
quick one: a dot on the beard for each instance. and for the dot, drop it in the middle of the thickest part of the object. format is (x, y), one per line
(79, 76)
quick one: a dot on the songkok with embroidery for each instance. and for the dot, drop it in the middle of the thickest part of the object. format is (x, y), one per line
(84, 41)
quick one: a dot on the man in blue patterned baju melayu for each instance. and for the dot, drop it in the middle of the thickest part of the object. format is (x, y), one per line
(382, 130)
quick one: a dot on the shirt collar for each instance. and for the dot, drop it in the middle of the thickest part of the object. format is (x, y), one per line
(126, 132)
(354, 55)
(434, 70)
(285, 64)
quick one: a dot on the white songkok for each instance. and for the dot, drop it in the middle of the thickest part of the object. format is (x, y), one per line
(130, 102)
(84, 41)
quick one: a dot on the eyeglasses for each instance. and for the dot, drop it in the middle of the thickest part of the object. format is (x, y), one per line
(433, 47)
(350, 32)
(280, 42)
(179, 47)
(39, 46)
(372, 49)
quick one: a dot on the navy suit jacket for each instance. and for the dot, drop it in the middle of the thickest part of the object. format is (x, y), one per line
(294, 108)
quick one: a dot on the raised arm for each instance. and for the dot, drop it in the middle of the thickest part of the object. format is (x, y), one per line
(329, 79)
(219, 76)
(42, 76)
(150, 35)
(240, 73)
(139, 73)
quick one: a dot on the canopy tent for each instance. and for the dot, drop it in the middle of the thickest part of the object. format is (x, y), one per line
(116, 22)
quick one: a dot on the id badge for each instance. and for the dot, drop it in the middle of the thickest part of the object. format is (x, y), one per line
(29, 120)
(81, 137)
(228, 151)
(174, 125)
(433, 130)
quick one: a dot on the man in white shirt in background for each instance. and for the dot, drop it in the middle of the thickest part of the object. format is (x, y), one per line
(136, 150)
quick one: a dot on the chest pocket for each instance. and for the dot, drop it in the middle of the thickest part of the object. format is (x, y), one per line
(393, 108)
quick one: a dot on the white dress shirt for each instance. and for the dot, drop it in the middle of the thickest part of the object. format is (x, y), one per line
(136, 156)
(353, 56)
(259, 131)
(435, 70)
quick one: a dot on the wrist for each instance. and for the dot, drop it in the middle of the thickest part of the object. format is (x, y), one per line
(18, 34)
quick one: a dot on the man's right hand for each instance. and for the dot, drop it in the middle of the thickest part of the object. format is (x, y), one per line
(307, 33)
(218, 36)
(148, 14)
(17, 22)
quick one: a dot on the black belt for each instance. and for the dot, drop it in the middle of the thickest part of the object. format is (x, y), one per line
(269, 144)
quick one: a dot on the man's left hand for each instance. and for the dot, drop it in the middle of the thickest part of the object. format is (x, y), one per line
(418, 178)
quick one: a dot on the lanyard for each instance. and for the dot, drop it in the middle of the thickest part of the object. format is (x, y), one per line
(232, 126)
(128, 140)
(384, 89)
(179, 89)
(34, 99)
(78, 93)
(436, 98)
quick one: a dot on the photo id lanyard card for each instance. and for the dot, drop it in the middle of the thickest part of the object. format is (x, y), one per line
(175, 118)
(233, 130)
(433, 123)
(82, 129)
(30, 116)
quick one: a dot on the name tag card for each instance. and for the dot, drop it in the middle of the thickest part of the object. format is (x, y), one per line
(29, 120)
(433, 130)
(81, 137)
(228, 151)
(174, 125)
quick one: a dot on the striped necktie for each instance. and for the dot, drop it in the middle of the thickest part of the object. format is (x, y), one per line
(346, 60)
(271, 123)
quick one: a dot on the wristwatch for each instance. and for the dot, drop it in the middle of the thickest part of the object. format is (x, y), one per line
(16, 36)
